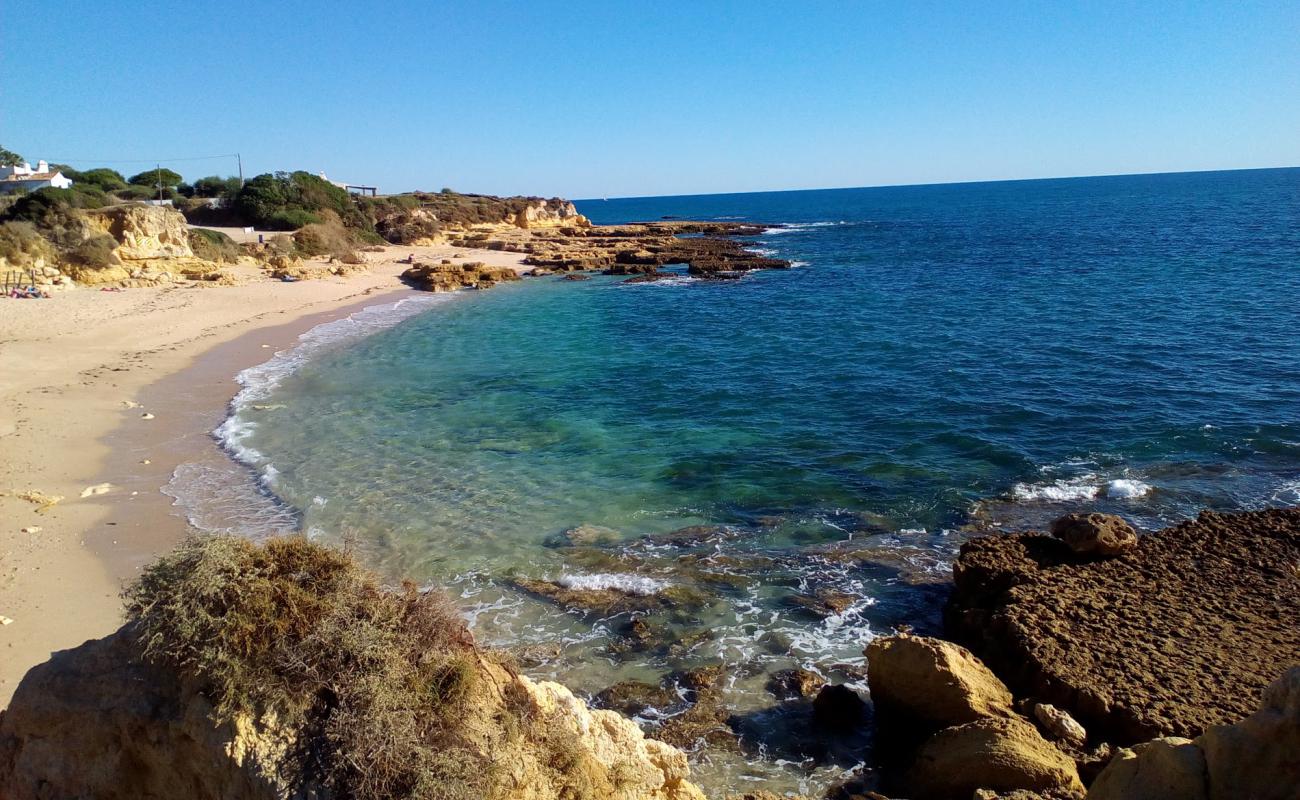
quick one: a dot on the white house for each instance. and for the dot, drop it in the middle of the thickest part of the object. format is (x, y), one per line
(21, 176)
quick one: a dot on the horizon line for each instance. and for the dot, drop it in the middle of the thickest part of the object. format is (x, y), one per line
(936, 183)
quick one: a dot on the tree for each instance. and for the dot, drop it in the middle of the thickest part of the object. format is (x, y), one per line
(103, 177)
(214, 186)
(289, 200)
(9, 158)
(153, 177)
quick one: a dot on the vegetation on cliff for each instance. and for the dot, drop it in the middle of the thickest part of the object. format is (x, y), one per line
(373, 679)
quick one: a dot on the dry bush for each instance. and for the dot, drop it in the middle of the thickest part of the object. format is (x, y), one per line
(22, 245)
(373, 681)
(213, 245)
(326, 239)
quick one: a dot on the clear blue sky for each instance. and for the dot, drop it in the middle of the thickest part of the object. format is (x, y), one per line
(588, 99)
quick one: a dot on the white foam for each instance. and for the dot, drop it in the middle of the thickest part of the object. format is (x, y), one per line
(619, 581)
(792, 227)
(1126, 489)
(1059, 491)
(680, 280)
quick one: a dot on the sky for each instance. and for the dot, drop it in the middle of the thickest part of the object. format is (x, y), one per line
(611, 99)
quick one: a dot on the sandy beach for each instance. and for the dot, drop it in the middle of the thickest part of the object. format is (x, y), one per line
(102, 395)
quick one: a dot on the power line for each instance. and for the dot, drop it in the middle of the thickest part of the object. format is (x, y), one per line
(142, 160)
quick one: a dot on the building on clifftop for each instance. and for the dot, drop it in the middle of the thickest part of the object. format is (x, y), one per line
(17, 177)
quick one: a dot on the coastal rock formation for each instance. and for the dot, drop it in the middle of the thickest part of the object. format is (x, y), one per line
(144, 232)
(640, 249)
(999, 754)
(1168, 639)
(95, 721)
(284, 670)
(934, 682)
(553, 213)
(447, 277)
(1104, 535)
(1255, 758)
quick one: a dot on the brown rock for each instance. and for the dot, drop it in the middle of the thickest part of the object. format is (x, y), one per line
(932, 681)
(1181, 634)
(1171, 768)
(1002, 754)
(791, 684)
(1095, 534)
(839, 708)
(634, 697)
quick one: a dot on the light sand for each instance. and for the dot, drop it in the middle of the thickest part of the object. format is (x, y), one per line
(78, 374)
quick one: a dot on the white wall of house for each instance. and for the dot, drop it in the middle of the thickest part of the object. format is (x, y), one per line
(14, 177)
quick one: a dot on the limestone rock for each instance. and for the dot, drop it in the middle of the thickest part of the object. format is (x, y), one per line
(991, 753)
(1060, 725)
(1095, 534)
(1170, 768)
(1255, 758)
(584, 536)
(95, 722)
(1181, 634)
(1258, 757)
(934, 681)
(144, 232)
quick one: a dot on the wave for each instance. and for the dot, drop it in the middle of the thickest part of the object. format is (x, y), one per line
(794, 227)
(620, 581)
(1080, 488)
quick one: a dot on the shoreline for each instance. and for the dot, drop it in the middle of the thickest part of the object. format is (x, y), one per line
(84, 367)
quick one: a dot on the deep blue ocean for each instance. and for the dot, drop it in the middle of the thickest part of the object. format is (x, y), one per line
(942, 361)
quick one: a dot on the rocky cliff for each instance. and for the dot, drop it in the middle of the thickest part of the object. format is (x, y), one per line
(144, 232)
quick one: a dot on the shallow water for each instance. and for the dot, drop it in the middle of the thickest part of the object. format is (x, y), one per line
(945, 359)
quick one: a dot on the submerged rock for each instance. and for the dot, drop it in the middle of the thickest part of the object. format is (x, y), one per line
(1174, 637)
(1103, 535)
(584, 536)
(788, 684)
(610, 600)
(635, 697)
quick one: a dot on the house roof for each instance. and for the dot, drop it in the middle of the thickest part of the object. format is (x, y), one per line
(34, 176)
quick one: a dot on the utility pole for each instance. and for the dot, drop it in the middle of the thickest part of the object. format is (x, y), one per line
(239, 159)
(158, 172)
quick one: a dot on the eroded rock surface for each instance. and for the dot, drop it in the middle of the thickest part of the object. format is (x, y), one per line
(1001, 754)
(932, 681)
(1180, 633)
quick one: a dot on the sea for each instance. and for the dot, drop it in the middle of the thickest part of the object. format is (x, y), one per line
(804, 450)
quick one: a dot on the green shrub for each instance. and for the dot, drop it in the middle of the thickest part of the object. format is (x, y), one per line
(289, 220)
(214, 246)
(106, 179)
(289, 200)
(373, 681)
(214, 186)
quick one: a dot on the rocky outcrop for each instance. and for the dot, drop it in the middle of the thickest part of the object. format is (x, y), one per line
(944, 713)
(1168, 639)
(998, 754)
(1255, 758)
(447, 277)
(144, 232)
(1104, 535)
(554, 213)
(933, 682)
(98, 722)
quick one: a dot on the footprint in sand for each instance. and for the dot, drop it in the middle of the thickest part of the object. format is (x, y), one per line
(146, 415)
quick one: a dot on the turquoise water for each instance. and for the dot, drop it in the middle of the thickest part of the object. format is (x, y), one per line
(942, 360)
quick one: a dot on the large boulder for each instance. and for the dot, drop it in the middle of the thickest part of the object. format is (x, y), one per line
(933, 681)
(1094, 534)
(1257, 758)
(1002, 754)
